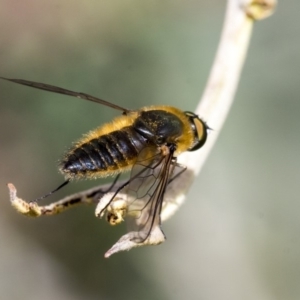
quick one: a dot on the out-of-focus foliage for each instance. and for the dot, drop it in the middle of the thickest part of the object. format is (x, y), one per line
(237, 235)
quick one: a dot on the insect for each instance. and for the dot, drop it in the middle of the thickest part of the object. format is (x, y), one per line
(146, 142)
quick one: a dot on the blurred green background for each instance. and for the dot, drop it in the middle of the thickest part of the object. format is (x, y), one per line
(237, 236)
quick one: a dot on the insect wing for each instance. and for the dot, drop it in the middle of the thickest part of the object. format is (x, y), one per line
(148, 181)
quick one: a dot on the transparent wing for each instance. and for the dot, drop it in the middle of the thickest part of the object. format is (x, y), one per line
(149, 178)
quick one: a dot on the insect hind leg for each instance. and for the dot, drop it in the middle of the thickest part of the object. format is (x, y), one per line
(52, 192)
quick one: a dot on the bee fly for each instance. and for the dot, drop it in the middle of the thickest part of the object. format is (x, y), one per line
(146, 141)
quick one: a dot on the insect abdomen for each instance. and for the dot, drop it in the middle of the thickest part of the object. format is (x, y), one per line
(105, 155)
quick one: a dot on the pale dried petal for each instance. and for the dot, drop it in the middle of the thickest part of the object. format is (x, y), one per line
(126, 242)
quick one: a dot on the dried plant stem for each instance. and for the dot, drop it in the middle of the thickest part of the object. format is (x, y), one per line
(219, 93)
(213, 108)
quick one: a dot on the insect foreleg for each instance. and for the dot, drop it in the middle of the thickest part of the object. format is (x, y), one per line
(175, 166)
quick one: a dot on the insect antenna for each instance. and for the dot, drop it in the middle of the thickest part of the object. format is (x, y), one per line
(52, 192)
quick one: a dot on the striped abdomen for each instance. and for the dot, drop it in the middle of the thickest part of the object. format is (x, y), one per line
(108, 154)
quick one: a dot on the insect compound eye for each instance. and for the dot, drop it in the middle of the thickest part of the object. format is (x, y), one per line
(199, 128)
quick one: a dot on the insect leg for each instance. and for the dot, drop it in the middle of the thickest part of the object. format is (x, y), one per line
(52, 192)
(58, 90)
(174, 166)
